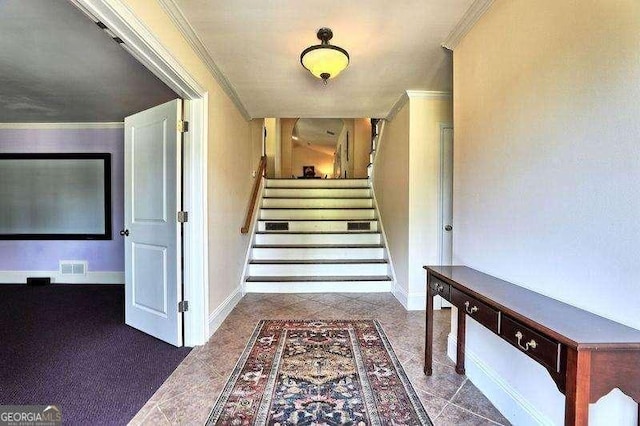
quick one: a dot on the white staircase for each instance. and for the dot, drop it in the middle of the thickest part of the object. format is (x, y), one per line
(317, 235)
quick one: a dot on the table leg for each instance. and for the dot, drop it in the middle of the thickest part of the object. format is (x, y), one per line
(462, 326)
(578, 383)
(428, 340)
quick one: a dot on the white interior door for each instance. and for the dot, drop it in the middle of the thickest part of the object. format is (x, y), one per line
(446, 199)
(153, 284)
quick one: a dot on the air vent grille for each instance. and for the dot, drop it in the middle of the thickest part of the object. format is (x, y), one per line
(277, 226)
(73, 267)
(359, 226)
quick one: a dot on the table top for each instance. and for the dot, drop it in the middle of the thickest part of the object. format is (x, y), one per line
(568, 324)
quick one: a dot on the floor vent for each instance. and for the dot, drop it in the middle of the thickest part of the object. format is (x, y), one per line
(73, 267)
(359, 226)
(277, 226)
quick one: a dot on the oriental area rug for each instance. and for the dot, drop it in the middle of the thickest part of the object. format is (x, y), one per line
(304, 372)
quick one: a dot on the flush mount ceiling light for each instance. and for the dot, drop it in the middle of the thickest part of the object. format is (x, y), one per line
(324, 60)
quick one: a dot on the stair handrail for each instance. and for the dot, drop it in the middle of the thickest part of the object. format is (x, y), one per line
(260, 173)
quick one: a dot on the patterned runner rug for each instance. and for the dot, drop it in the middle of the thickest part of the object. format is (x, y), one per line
(318, 373)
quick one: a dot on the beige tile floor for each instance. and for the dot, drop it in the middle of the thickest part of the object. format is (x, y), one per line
(188, 395)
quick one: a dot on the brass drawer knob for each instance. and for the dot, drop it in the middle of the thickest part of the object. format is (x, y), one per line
(471, 311)
(530, 344)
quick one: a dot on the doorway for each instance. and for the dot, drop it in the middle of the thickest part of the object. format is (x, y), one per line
(144, 47)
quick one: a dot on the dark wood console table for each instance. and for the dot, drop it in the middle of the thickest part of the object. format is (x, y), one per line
(586, 355)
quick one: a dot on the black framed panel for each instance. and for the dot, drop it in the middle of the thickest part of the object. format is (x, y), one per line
(55, 196)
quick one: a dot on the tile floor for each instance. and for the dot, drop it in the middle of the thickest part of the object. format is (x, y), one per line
(190, 392)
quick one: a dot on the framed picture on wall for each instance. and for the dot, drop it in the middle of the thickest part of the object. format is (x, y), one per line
(308, 171)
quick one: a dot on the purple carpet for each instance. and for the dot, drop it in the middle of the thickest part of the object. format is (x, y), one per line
(67, 345)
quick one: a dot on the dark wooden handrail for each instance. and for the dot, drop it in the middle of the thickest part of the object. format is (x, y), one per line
(260, 171)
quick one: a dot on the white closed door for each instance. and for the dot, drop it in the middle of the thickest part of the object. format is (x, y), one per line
(153, 283)
(446, 200)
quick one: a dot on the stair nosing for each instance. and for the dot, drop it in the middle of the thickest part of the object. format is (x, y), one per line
(318, 261)
(314, 246)
(317, 220)
(317, 208)
(316, 278)
(317, 232)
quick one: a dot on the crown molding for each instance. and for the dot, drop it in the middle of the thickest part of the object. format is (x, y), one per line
(189, 33)
(402, 100)
(428, 94)
(415, 94)
(466, 23)
(60, 126)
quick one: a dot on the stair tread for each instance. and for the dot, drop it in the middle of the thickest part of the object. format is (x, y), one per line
(316, 208)
(318, 220)
(316, 232)
(319, 278)
(318, 187)
(316, 261)
(317, 198)
(345, 246)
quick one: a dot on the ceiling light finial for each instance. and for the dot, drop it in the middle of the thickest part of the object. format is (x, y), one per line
(324, 60)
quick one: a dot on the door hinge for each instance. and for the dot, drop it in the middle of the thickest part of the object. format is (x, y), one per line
(183, 306)
(183, 126)
(183, 217)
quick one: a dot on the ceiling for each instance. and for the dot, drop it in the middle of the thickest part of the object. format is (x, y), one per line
(320, 131)
(394, 46)
(318, 134)
(58, 66)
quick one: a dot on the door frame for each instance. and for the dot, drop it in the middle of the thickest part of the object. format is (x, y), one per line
(140, 42)
(439, 302)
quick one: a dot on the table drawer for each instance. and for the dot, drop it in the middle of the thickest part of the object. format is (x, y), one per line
(440, 288)
(538, 346)
(477, 310)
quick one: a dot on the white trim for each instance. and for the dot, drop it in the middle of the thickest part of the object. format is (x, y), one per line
(384, 235)
(502, 395)
(415, 94)
(189, 33)
(144, 46)
(61, 126)
(252, 234)
(221, 312)
(402, 101)
(428, 94)
(466, 23)
(20, 277)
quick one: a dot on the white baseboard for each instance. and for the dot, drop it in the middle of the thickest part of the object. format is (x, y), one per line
(411, 301)
(221, 312)
(20, 277)
(502, 395)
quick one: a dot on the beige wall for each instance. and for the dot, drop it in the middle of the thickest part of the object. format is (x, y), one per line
(230, 159)
(272, 146)
(547, 169)
(361, 146)
(406, 173)
(303, 156)
(391, 185)
(426, 114)
(286, 131)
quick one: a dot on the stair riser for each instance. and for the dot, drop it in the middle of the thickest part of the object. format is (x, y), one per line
(299, 239)
(321, 226)
(325, 203)
(317, 183)
(317, 193)
(275, 270)
(319, 287)
(317, 214)
(317, 253)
